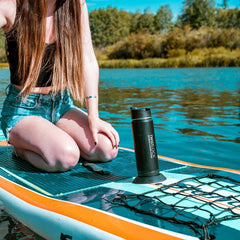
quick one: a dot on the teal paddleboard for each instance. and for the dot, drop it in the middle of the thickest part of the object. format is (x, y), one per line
(102, 202)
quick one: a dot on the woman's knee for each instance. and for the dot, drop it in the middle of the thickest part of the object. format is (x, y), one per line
(107, 154)
(104, 151)
(66, 157)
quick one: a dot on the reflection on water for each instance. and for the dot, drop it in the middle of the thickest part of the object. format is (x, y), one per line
(196, 112)
(200, 107)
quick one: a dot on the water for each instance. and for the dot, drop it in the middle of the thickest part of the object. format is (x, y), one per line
(196, 112)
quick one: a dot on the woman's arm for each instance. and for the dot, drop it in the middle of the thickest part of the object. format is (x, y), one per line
(90, 65)
(7, 14)
(91, 74)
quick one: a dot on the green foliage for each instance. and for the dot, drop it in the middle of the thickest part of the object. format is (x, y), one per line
(3, 57)
(134, 22)
(136, 46)
(109, 26)
(229, 18)
(2, 39)
(163, 18)
(176, 53)
(173, 44)
(224, 4)
(198, 13)
(146, 22)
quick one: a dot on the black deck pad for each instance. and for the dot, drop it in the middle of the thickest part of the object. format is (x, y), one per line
(79, 178)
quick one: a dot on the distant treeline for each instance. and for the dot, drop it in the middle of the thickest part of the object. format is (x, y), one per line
(175, 43)
(203, 35)
(111, 25)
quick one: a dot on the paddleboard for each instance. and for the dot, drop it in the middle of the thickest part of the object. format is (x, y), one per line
(102, 202)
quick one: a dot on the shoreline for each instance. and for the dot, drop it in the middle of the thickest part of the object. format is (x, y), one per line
(4, 65)
(177, 62)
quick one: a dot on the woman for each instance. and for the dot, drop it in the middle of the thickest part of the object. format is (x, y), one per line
(51, 56)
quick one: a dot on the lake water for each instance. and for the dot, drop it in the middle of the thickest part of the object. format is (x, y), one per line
(196, 112)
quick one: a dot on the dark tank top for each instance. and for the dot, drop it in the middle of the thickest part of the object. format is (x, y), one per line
(45, 76)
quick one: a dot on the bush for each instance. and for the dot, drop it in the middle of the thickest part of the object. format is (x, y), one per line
(174, 44)
(136, 46)
(3, 57)
(176, 53)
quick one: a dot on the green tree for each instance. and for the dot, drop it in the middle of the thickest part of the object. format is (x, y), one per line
(225, 4)
(228, 18)
(163, 18)
(109, 26)
(198, 13)
(146, 21)
(134, 21)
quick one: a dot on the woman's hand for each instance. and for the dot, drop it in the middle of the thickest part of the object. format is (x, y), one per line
(97, 126)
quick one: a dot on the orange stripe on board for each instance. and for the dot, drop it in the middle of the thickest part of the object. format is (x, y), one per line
(4, 143)
(97, 219)
(190, 164)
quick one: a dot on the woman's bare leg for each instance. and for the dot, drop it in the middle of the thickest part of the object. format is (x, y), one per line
(75, 123)
(56, 148)
(44, 145)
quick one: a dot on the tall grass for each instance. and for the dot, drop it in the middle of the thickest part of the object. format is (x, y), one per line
(4, 65)
(207, 57)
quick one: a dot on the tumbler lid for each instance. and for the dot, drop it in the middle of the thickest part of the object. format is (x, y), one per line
(140, 113)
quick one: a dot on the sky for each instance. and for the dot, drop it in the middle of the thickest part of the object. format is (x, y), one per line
(135, 5)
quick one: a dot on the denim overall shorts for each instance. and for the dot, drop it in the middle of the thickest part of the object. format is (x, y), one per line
(49, 106)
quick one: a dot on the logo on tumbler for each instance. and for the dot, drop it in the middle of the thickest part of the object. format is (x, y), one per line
(151, 146)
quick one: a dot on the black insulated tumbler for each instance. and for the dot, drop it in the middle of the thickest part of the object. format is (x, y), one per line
(145, 147)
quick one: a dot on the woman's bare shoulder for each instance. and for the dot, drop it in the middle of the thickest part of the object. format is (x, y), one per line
(7, 14)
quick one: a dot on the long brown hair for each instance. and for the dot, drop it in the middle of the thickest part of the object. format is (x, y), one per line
(67, 64)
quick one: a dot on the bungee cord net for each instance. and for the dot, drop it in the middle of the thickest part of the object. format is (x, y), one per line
(196, 202)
